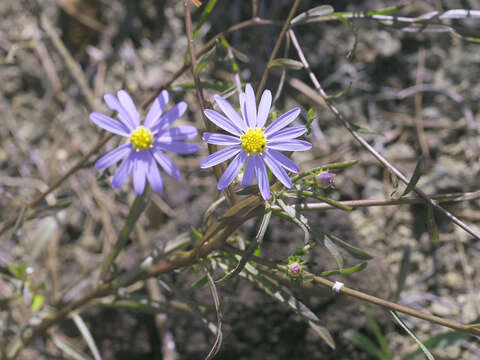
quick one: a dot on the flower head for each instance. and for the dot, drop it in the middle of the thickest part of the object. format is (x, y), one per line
(147, 143)
(253, 143)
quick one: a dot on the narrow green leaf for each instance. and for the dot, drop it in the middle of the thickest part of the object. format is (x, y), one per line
(432, 224)
(417, 173)
(87, 336)
(326, 200)
(254, 245)
(352, 250)
(364, 343)
(403, 272)
(286, 63)
(19, 271)
(334, 251)
(316, 12)
(205, 59)
(387, 11)
(218, 340)
(351, 53)
(135, 211)
(347, 271)
(206, 12)
(37, 302)
(282, 295)
(427, 353)
(441, 341)
(69, 350)
(291, 214)
(378, 334)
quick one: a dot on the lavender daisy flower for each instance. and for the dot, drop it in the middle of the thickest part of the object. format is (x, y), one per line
(253, 143)
(147, 143)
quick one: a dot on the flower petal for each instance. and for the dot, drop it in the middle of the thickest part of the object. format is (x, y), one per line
(220, 139)
(250, 106)
(222, 122)
(153, 175)
(169, 117)
(113, 103)
(262, 178)
(167, 164)
(277, 170)
(288, 133)
(220, 156)
(129, 106)
(179, 133)
(140, 168)
(109, 124)
(264, 108)
(249, 171)
(282, 121)
(286, 162)
(113, 156)
(178, 147)
(123, 171)
(232, 171)
(157, 109)
(231, 113)
(289, 145)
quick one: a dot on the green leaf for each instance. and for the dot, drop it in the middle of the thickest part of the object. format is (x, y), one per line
(441, 341)
(403, 272)
(432, 224)
(135, 211)
(254, 245)
(364, 343)
(427, 353)
(417, 173)
(69, 350)
(206, 12)
(352, 250)
(87, 336)
(351, 53)
(326, 200)
(37, 302)
(196, 233)
(286, 63)
(282, 295)
(218, 340)
(314, 13)
(347, 271)
(19, 271)
(387, 11)
(334, 251)
(205, 59)
(378, 334)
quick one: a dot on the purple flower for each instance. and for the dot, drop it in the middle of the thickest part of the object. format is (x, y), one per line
(147, 143)
(254, 143)
(326, 179)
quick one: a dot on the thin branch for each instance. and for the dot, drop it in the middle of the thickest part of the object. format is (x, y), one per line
(384, 202)
(367, 146)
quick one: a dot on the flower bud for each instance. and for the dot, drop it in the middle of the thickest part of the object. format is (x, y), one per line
(326, 179)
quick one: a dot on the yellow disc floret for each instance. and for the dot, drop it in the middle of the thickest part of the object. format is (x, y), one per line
(141, 138)
(254, 141)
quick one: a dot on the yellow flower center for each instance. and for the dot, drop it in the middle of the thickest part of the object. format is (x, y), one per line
(141, 138)
(254, 141)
